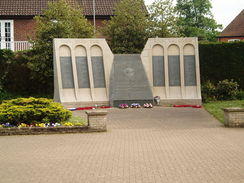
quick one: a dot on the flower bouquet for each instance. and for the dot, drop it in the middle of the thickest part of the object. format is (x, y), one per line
(123, 106)
(135, 105)
(148, 105)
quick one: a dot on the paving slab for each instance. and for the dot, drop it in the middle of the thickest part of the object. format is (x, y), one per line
(171, 145)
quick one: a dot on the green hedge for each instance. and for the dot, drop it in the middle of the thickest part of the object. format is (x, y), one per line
(32, 110)
(219, 61)
(17, 76)
(6, 57)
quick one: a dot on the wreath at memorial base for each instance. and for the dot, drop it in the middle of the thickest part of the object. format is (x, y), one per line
(148, 105)
(135, 105)
(123, 106)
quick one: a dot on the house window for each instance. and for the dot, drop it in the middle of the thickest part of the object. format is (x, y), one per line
(6, 34)
(233, 40)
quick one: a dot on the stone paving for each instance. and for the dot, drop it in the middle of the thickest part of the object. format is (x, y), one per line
(160, 145)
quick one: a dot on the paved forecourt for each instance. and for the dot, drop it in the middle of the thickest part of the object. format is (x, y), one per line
(171, 145)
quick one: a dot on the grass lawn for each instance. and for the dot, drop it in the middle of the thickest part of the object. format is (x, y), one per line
(76, 120)
(215, 108)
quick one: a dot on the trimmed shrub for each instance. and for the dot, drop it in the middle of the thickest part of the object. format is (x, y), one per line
(240, 95)
(208, 91)
(227, 90)
(219, 61)
(224, 90)
(32, 110)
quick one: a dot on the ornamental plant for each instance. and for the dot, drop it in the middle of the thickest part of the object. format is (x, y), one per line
(68, 124)
(227, 89)
(223, 90)
(208, 91)
(32, 110)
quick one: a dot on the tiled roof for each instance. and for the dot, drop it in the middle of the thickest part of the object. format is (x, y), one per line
(35, 7)
(236, 27)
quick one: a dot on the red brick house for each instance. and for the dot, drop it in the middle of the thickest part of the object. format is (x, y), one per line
(234, 31)
(16, 18)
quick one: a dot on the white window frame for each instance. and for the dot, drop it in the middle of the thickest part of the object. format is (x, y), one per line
(233, 40)
(3, 42)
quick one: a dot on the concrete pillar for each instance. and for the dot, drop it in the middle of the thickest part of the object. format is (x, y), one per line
(234, 117)
(97, 119)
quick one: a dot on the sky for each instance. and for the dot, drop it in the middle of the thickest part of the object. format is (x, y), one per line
(224, 11)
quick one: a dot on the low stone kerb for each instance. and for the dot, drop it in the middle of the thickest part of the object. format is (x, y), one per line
(234, 117)
(233, 109)
(97, 113)
(97, 119)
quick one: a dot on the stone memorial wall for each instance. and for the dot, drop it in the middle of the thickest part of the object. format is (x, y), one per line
(180, 66)
(82, 71)
(87, 73)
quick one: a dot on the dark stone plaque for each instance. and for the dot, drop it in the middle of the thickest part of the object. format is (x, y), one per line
(158, 71)
(82, 72)
(66, 72)
(128, 81)
(98, 71)
(190, 70)
(174, 70)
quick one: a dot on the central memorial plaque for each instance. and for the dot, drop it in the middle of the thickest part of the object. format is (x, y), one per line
(128, 81)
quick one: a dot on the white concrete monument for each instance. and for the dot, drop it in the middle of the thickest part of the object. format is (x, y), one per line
(172, 68)
(87, 73)
(82, 71)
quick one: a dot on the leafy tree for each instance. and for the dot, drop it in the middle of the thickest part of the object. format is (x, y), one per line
(126, 32)
(59, 20)
(6, 58)
(162, 19)
(195, 19)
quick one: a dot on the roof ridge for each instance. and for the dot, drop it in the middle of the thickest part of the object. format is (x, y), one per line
(22, 8)
(236, 27)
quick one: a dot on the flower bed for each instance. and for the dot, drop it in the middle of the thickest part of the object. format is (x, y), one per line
(45, 130)
(75, 125)
(33, 116)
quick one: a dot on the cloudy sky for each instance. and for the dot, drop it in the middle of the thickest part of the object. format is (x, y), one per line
(224, 11)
